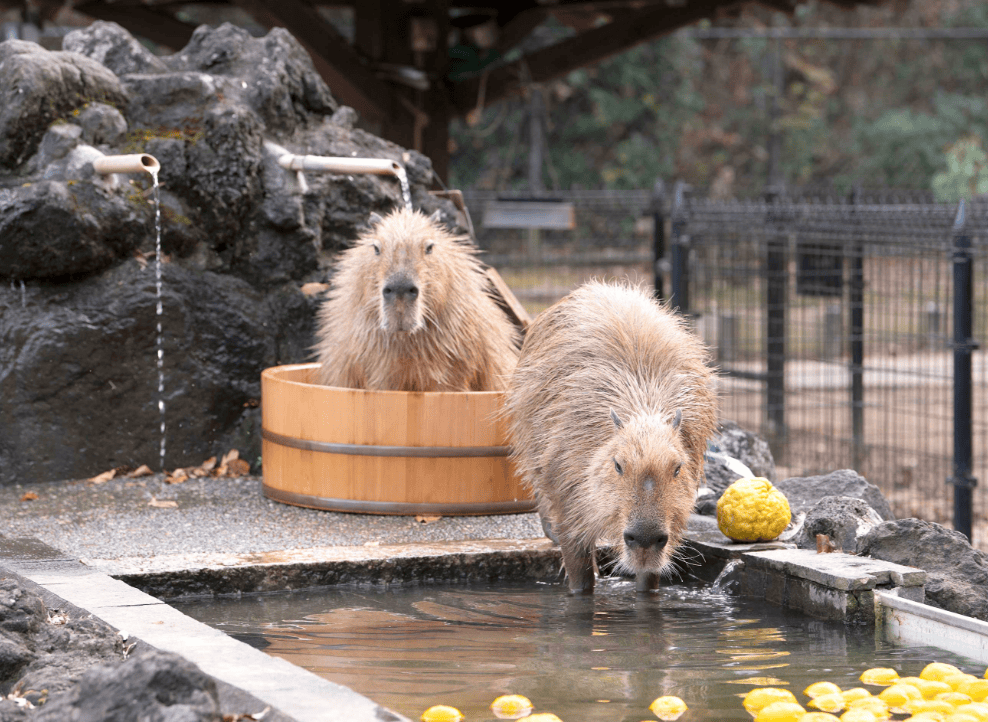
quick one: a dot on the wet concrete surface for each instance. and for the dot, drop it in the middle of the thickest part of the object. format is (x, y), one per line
(117, 520)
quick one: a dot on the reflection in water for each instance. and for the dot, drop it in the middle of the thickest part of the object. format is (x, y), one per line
(603, 657)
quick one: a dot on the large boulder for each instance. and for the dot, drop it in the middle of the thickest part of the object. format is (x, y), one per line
(155, 686)
(241, 237)
(956, 573)
(38, 87)
(803, 492)
(79, 357)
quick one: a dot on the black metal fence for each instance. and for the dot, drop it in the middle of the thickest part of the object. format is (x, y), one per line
(842, 326)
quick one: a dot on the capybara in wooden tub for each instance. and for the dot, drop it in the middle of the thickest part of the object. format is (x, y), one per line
(610, 408)
(409, 310)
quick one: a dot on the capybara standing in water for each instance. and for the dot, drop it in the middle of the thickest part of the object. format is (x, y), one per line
(408, 310)
(610, 408)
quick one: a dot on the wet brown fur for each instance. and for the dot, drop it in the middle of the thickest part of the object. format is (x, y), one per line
(453, 338)
(611, 347)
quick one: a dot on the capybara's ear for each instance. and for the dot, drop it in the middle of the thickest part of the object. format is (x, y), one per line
(677, 419)
(616, 419)
(374, 218)
(436, 216)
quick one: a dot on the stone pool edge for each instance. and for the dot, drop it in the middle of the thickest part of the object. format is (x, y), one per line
(291, 691)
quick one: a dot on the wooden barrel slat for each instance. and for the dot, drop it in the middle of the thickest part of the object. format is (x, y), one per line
(323, 446)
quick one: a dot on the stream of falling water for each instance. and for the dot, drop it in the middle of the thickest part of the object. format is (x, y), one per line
(406, 191)
(159, 341)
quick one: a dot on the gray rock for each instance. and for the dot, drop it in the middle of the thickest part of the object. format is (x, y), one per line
(102, 124)
(79, 165)
(82, 356)
(154, 686)
(57, 142)
(110, 45)
(804, 492)
(956, 573)
(843, 519)
(52, 230)
(38, 87)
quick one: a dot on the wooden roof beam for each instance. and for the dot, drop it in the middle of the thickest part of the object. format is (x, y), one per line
(585, 49)
(352, 82)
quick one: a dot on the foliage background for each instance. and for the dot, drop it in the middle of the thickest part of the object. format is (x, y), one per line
(889, 112)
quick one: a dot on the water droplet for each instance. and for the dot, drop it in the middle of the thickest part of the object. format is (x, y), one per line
(406, 191)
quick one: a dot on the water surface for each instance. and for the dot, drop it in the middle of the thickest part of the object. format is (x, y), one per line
(604, 657)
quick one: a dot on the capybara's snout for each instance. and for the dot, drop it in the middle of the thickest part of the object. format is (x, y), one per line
(646, 535)
(400, 288)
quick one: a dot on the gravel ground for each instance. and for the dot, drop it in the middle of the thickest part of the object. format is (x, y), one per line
(115, 519)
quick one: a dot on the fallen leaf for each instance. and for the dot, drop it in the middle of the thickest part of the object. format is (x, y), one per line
(230, 456)
(209, 464)
(29, 496)
(163, 504)
(142, 261)
(142, 470)
(428, 518)
(103, 478)
(245, 717)
(238, 467)
(313, 289)
(824, 545)
(177, 477)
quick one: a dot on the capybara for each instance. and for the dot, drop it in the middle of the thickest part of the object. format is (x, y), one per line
(609, 411)
(408, 310)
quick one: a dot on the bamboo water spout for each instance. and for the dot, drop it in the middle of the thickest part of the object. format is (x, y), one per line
(133, 163)
(329, 164)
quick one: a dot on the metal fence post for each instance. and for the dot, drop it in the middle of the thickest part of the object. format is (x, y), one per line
(962, 480)
(658, 237)
(857, 342)
(680, 251)
(777, 286)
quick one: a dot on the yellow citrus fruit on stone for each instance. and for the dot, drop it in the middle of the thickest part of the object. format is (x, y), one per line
(442, 713)
(960, 717)
(760, 697)
(668, 708)
(926, 717)
(780, 712)
(936, 671)
(542, 717)
(880, 676)
(752, 510)
(930, 689)
(955, 698)
(854, 693)
(976, 689)
(818, 688)
(872, 704)
(511, 706)
(817, 717)
(858, 715)
(833, 702)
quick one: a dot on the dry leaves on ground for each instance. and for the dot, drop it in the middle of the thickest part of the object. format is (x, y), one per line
(246, 717)
(163, 503)
(29, 496)
(427, 518)
(230, 465)
(121, 471)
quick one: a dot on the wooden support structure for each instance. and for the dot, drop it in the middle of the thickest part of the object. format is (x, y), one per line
(396, 70)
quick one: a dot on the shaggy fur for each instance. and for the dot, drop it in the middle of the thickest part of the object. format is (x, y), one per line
(449, 336)
(611, 348)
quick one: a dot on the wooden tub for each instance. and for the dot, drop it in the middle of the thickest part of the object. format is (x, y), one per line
(384, 452)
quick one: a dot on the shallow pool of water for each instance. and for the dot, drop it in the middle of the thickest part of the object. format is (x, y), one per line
(604, 657)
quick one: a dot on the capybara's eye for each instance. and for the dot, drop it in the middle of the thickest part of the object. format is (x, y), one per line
(676, 472)
(617, 467)
(377, 249)
(428, 248)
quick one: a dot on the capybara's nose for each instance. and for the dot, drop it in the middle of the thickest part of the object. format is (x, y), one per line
(645, 536)
(400, 288)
